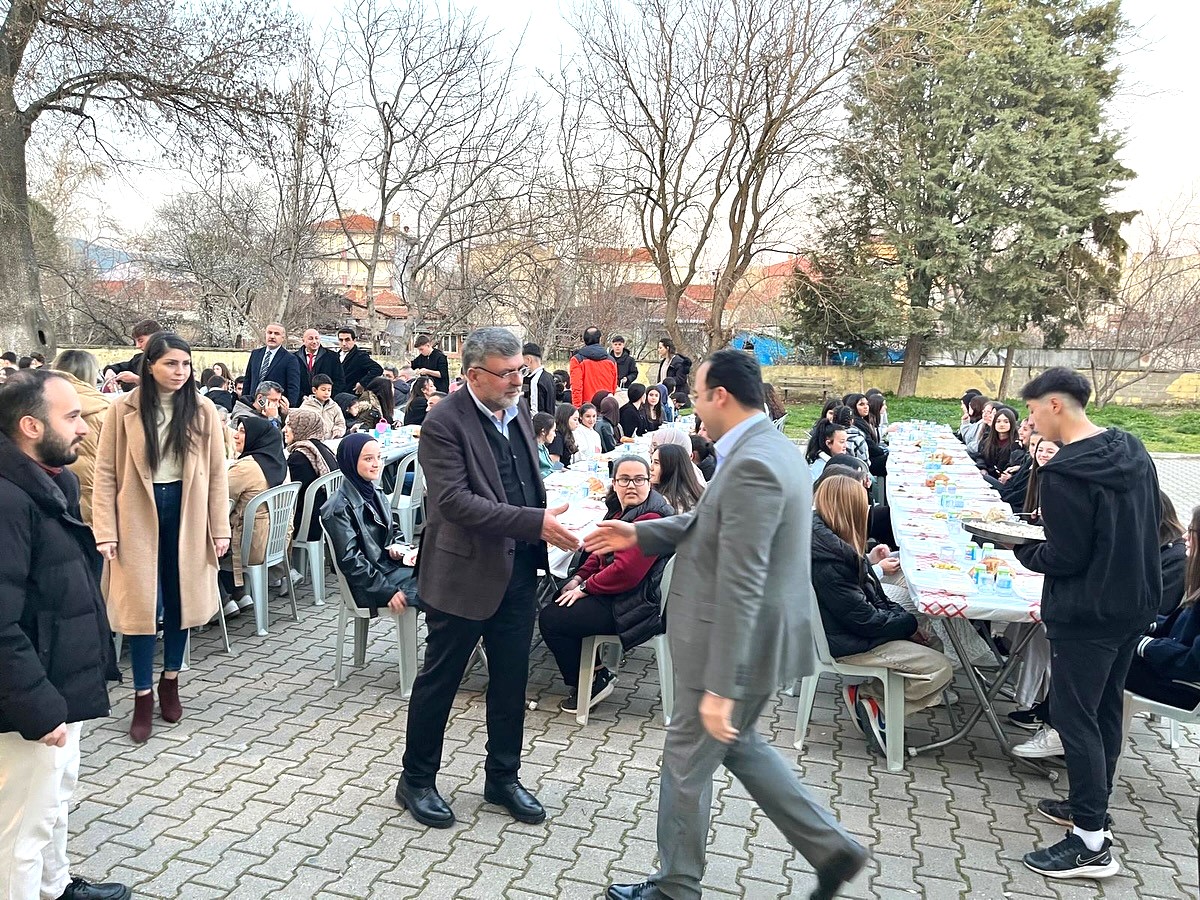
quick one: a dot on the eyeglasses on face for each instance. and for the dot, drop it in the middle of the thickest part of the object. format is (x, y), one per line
(505, 376)
(630, 480)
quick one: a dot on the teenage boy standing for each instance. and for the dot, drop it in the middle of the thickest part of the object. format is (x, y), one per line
(1101, 509)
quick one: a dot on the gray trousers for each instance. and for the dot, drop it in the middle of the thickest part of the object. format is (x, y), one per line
(691, 758)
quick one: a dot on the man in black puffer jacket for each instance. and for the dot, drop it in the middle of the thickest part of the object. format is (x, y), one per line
(56, 649)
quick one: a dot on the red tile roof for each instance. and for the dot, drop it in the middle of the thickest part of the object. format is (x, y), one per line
(356, 223)
(618, 255)
(387, 303)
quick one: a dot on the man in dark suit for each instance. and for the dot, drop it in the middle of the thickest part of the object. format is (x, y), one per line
(739, 625)
(539, 388)
(358, 369)
(272, 362)
(477, 574)
(316, 360)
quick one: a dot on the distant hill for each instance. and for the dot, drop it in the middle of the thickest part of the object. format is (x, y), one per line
(103, 257)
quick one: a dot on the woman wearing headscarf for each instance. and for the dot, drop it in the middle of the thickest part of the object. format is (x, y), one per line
(680, 438)
(260, 466)
(366, 541)
(598, 398)
(308, 459)
(608, 426)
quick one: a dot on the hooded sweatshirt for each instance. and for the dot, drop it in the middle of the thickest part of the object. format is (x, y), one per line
(591, 370)
(1101, 509)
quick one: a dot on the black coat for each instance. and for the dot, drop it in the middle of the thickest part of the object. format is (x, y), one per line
(360, 539)
(301, 471)
(284, 371)
(856, 613)
(326, 362)
(359, 368)
(56, 650)
(1174, 575)
(633, 423)
(627, 370)
(544, 389)
(437, 361)
(415, 412)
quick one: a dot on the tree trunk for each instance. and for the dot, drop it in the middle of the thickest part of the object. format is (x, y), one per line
(24, 325)
(913, 348)
(1002, 391)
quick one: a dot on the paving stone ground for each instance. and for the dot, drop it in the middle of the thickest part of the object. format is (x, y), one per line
(278, 784)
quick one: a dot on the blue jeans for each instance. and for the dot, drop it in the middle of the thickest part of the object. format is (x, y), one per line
(168, 499)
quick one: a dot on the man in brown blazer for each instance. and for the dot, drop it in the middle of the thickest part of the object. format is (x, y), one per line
(477, 576)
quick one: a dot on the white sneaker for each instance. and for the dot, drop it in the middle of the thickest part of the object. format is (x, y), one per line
(1045, 743)
(231, 609)
(247, 602)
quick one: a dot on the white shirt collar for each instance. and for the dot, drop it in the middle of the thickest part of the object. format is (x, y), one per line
(501, 424)
(724, 446)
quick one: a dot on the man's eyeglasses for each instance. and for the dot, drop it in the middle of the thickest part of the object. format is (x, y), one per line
(627, 480)
(506, 376)
(707, 393)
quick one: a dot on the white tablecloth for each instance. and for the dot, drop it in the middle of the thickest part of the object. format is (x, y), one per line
(922, 531)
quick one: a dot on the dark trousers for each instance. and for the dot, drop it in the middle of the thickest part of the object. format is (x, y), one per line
(448, 646)
(565, 627)
(1087, 683)
(168, 500)
(1143, 681)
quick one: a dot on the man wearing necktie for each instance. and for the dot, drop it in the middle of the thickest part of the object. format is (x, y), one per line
(316, 360)
(273, 363)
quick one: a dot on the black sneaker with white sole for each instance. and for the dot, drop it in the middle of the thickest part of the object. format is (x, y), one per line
(1059, 812)
(603, 683)
(1070, 858)
(1029, 719)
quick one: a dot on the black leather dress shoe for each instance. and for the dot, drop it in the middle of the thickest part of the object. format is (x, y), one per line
(644, 891)
(841, 869)
(521, 804)
(425, 804)
(79, 889)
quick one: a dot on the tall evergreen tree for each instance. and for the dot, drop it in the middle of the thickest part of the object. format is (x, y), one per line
(977, 150)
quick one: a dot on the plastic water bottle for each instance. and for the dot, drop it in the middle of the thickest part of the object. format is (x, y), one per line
(1004, 582)
(940, 493)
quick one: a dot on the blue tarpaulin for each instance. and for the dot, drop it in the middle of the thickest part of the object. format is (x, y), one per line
(768, 351)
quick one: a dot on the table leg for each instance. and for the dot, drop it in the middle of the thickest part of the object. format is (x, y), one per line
(984, 695)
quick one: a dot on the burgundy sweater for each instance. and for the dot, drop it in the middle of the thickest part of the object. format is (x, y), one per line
(624, 573)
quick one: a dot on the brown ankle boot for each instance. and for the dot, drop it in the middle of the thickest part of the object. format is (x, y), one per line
(143, 715)
(168, 699)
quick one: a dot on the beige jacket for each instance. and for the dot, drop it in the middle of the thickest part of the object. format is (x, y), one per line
(330, 413)
(95, 407)
(123, 510)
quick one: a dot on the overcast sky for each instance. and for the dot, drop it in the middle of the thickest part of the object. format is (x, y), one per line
(1158, 109)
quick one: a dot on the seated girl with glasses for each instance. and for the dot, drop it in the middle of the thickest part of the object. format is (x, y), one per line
(613, 594)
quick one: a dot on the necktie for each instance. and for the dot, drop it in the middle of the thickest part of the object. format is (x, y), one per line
(266, 364)
(310, 363)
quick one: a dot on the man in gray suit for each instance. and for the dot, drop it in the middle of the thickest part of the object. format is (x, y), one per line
(739, 619)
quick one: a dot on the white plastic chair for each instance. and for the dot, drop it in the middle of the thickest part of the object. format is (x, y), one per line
(1137, 703)
(780, 422)
(406, 630)
(893, 694)
(281, 506)
(662, 656)
(314, 551)
(407, 506)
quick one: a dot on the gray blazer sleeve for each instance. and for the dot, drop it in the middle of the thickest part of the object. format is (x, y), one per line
(661, 536)
(749, 520)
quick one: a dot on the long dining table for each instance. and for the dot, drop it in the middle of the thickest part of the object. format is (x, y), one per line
(933, 557)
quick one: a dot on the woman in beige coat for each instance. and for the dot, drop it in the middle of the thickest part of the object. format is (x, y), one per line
(161, 517)
(83, 371)
(260, 465)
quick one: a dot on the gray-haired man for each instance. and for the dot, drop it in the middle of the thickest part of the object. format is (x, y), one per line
(484, 541)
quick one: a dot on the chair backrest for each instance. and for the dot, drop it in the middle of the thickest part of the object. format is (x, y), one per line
(329, 483)
(281, 507)
(818, 631)
(407, 463)
(343, 588)
(780, 422)
(664, 584)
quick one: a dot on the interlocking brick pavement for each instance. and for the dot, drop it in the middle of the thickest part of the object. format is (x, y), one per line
(278, 784)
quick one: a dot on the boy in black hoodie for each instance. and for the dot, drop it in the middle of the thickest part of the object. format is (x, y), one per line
(1101, 510)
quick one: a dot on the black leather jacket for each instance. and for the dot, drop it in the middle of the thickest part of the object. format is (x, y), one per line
(359, 539)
